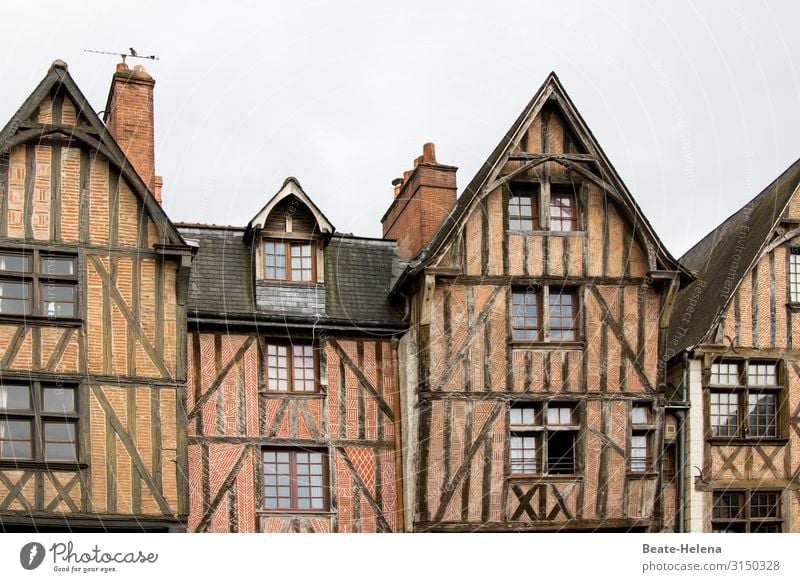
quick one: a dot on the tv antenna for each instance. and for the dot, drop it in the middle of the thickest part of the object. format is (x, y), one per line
(131, 53)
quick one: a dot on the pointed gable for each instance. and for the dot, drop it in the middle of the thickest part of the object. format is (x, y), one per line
(724, 257)
(285, 202)
(57, 107)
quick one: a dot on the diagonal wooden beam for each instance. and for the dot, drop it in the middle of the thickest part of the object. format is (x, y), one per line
(130, 446)
(608, 317)
(58, 351)
(728, 463)
(223, 490)
(62, 492)
(456, 359)
(15, 490)
(13, 347)
(279, 414)
(133, 323)
(223, 373)
(362, 379)
(524, 503)
(560, 504)
(606, 440)
(302, 406)
(450, 488)
(380, 519)
(768, 459)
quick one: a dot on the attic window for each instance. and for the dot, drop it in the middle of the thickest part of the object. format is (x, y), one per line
(289, 261)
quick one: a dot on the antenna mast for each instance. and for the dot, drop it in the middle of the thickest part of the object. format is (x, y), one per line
(131, 53)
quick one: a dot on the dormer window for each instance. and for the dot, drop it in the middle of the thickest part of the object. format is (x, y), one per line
(289, 260)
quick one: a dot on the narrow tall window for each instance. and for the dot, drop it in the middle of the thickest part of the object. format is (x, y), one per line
(562, 316)
(794, 275)
(526, 322)
(641, 438)
(523, 207)
(563, 209)
(295, 479)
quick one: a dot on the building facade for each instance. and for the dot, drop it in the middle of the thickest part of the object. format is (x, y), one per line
(526, 356)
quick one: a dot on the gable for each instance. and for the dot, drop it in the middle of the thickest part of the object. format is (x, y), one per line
(55, 124)
(291, 190)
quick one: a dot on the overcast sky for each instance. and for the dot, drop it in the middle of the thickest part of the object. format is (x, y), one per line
(697, 104)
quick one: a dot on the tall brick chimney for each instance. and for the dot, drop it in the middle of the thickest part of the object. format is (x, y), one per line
(129, 118)
(422, 200)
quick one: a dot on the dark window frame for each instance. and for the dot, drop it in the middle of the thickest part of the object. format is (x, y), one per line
(290, 370)
(293, 485)
(541, 429)
(793, 276)
(39, 418)
(567, 191)
(544, 330)
(741, 392)
(645, 430)
(37, 281)
(744, 520)
(524, 190)
(288, 245)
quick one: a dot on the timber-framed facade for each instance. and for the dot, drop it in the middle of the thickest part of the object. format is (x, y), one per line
(526, 356)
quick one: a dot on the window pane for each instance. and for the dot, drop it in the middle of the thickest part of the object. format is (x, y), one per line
(561, 452)
(277, 367)
(525, 312)
(58, 266)
(562, 211)
(794, 276)
(523, 453)
(560, 415)
(59, 399)
(728, 506)
(762, 375)
(15, 298)
(725, 374)
(639, 452)
(523, 208)
(15, 397)
(274, 260)
(15, 439)
(762, 414)
(301, 261)
(562, 316)
(303, 368)
(60, 452)
(15, 263)
(765, 505)
(640, 414)
(724, 414)
(59, 432)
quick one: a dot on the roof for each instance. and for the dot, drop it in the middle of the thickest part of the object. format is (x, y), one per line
(550, 90)
(722, 258)
(95, 136)
(359, 273)
(221, 271)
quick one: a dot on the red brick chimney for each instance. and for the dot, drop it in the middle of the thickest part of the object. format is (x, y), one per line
(129, 118)
(422, 200)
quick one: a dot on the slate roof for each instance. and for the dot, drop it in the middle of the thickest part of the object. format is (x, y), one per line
(220, 281)
(359, 273)
(722, 258)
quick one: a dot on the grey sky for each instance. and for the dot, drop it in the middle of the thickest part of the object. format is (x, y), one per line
(695, 103)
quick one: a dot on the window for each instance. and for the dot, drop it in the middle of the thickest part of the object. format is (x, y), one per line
(563, 209)
(744, 400)
(523, 207)
(38, 283)
(291, 368)
(642, 429)
(295, 479)
(289, 261)
(38, 422)
(527, 310)
(794, 275)
(747, 511)
(543, 438)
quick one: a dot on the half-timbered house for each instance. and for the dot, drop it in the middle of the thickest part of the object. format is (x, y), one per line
(538, 303)
(93, 288)
(734, 354)
(292, 394)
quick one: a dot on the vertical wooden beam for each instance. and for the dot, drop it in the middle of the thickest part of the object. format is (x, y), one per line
(108, 328)
(36, 348)
(447, 328)
(510, 371)
(240, 398)
(546, 370)
(219, 396)
(754, 306)
(606, 236)
(4, 171)
(484, 209)
(380, 387)
(83, 226)
(111, 468)
(342, 401)
(206, 477)
(155, 437)
(737, 319)
(772, 301)
(113, 207)
(85, 446)
(486, 485)
(38, 495)
(601, 503)
(378, 479)
(55, 184)
(30, 180)
(487, 355)
(465, 486)
(197, 360)
(136, 284)
(623, 364)
(424, 456)
(787, 290)
(362, 407)
(447, 434)
(159, 306)
(356, 500)
(504, 195)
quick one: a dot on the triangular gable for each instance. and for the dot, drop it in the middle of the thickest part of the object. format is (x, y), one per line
(723, 258)
(20, 129)
(291, 187)
(551, 92)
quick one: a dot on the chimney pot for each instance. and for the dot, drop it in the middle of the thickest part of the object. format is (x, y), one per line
(122, 67)
(429, 153)
(397, 182)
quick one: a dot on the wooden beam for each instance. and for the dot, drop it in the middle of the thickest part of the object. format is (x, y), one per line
(223, 490)
(362, 379)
